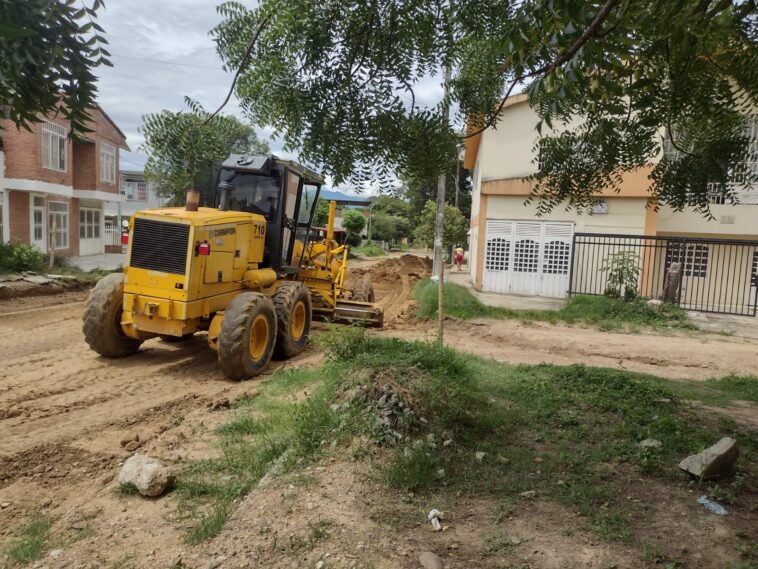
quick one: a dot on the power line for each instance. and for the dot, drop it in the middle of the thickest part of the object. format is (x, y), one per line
(163, 62)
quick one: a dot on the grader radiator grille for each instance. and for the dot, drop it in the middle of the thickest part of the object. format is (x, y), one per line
(159, 246)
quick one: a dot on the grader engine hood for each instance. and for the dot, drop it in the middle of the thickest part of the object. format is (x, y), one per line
(184, 256)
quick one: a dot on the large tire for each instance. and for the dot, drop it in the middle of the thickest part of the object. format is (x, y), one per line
(102, 319)
(363, 291)
(247, 337)
(292, 301)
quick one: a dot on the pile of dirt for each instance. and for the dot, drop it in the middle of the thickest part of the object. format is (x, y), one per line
(32, 284)
(392, 270)
(393, 279)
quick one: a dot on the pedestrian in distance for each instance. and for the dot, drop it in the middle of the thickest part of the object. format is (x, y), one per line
(458, 256)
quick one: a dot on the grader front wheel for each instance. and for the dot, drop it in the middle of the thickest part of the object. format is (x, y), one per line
(363, 291)
(102, 319)
(247, 337)
(292, 301)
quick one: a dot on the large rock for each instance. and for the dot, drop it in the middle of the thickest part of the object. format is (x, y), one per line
(430, 560)
(149, 475)
(714, 461)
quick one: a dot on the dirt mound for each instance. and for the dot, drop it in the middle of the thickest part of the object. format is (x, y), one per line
(393, 280)
(392, 270)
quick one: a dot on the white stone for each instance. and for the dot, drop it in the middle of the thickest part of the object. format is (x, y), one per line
(430, 560)
(149, 475)
(650, 443)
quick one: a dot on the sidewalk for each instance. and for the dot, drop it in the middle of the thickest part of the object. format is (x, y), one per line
(512, 301)
(744, 326)
(103, 261)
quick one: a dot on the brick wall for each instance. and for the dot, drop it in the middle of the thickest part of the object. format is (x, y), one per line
(18, 206)
(23, 155)
(84, 159)
(105, 132)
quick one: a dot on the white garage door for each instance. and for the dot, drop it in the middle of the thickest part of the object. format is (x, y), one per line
(528, 257)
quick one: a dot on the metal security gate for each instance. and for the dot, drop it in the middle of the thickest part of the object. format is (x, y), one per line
(527, 257)
(718, 275)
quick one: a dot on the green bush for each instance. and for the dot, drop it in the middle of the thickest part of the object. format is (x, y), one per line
(19, 257)
(353, 240)
(370, 249)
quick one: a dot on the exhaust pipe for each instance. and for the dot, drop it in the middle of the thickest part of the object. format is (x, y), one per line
(226, 195)
(193, 200)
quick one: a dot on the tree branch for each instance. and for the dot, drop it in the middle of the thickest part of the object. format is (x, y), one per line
(591, 31)
(243, 63)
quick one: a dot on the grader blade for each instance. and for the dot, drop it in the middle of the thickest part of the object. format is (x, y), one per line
(353, 311)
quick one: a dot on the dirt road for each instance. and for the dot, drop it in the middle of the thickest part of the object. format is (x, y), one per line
(65, 412)
(54, 389)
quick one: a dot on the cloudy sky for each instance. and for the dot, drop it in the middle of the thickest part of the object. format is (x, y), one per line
(161, 51)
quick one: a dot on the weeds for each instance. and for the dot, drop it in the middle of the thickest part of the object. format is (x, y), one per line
(369, 249)
(33, 541)
(569, 433)
(610, 314)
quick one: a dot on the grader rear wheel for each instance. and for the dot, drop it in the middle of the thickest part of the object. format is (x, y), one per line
(292, 301)
(102, 319)
(247, 337)
(363, 291)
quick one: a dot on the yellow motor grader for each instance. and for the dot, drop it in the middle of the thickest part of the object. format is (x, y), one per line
(249, 272)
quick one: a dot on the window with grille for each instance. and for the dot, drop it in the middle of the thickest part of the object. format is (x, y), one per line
(693, 258)
(57, 219)
(754, 271)
(89, 223)
(107, 163)
(526, 256)
(497, 254)
(556, 258)
(53, 146)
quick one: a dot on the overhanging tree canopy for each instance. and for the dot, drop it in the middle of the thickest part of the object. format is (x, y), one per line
(338, 80)
(49, 50)
(182, 146)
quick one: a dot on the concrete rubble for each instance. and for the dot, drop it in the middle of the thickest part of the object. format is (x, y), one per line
(713, 462)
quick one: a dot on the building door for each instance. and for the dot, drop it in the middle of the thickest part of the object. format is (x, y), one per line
(37, 225)
(90, 231)
(528, 257)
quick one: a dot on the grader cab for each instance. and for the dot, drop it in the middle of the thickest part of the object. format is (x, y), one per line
(249, 272)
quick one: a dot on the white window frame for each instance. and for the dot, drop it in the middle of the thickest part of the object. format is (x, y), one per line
(63, 232)
(42, 242)
(131, 191)
(93, 221)
(107, 163)
(54, 146)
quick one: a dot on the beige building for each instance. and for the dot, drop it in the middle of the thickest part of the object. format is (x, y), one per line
(512, 250)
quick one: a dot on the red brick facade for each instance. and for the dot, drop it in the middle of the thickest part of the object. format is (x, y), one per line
(26, 176)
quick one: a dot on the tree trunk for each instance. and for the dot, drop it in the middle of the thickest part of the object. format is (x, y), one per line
(439, 259)
(671, 284)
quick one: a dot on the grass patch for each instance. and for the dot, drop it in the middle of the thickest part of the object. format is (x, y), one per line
(33, 542)
(369, 249)
(570, 434)
(607, 313)
(721, 392)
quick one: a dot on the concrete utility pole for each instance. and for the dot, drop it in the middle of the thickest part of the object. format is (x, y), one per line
(438, 268)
